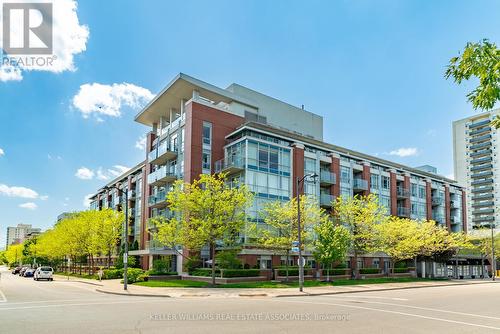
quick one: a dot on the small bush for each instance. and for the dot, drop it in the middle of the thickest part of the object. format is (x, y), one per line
(369, 271)
(161, 265)
(207, 272)
(228, 260)
(335, 272)
(228, 273)
(112, 273)
(133, 275)
(400, 270)
(153, 272)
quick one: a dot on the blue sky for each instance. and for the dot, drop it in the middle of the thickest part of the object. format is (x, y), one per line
(373, 69)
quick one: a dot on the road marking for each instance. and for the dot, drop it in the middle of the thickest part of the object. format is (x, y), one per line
(425, 309)
(81, 304)
(400, 313)
(61, 300)
(368, 297)
(4, 299)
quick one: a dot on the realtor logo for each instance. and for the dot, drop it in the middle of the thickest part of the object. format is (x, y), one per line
(27, 28)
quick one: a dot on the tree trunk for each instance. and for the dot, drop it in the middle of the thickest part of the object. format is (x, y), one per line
(356, 269)
(286, 265)
(328, 274)
(109, 258)
(213, 264)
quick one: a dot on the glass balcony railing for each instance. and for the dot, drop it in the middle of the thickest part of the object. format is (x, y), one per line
(478, 146)
(327, 178)
(402, 192)
(403, 212)
(479, 123)
(162, 176)
(326, 200)
(161, 154)
(437, 201)
(230, 164)
(359, 184)
(158, 198)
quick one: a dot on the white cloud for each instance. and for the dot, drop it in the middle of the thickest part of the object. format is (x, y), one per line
(84, 173)
(404, 152)
(69, 39)
(108, 100)
(101, 175)
(44, 197)
(17, 192)
(86, 200)
(57, 157)
(141, 143)
(2, 152)
(28, 205)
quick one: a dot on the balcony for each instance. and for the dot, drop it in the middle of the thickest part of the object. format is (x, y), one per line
(482, 189)
(131, 194)
(483, 219)
(359, 185)
(480, 153)
(480, 197)
(402, 193)
(480, 138)
(154, 245)
(482, 145)
(481, 160)
(483, 211)
(162, 176)
(483, 204)
(159, 200)
(455, 220)
(480, 131)
(437, 201)
(403, 212)
(481, 167)
(162, 154)
(326, 200)
(454, 205)
(483, 181)
(438, 218)
(481, 175)
(230, 164)
(479, 123)
(327, 178)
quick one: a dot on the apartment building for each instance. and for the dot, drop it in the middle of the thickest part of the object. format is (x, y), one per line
(475, 148)
(196, 128)
(18, 234)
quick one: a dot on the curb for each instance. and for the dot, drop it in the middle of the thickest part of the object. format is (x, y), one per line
(130, 294)
(63, 279)
(306, 294)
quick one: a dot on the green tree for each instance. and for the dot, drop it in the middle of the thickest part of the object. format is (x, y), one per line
(208, 211)
(481, 61)
(280, 228)
(399, 238)
(331, 244)
(360, 214)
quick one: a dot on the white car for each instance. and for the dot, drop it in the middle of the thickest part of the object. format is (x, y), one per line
(43, 273)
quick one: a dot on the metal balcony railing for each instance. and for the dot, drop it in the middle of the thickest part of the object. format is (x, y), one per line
(230, 164)
(436, 201)
(403, 212)
(402, 192)
(359, 184)
(326, 200)
(327, 178)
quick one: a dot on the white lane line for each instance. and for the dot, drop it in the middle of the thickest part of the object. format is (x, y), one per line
(399, 313)
(422, 308)
(79, 304)
(4, 299)
(367, 297)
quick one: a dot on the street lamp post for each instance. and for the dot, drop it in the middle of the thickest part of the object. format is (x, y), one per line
(493, 260)
(299, 237)
(125, 241)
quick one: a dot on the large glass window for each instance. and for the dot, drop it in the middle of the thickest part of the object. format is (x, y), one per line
(421, 192)
(414, 190)
(386, 182)
(207, 133)
(345, 174)
(206, 162)
(374, 181)
(273, 158)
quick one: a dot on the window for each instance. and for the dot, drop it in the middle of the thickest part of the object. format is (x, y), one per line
(263, 157)
(345, 174)
(205, 163)
(273, 158)
(421, 192)
(386, 202)
(414, 190)
(207, 133)
(374, 181)
(309, 165)
(386, 182)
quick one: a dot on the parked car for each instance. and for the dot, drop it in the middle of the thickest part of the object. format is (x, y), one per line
(16, 270)
(44, 273)
(23, 269)
(29, 272)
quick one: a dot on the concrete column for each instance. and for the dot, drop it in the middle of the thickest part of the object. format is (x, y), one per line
(428, 198)
(447, 207)
(335, 169)
(366, 176)
(406, 186)
(394, 194)
(464, 210)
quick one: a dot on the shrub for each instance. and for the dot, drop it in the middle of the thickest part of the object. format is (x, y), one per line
(335, 272)
(228, 259)
(228, 273)
(369, 271)
(400, 270)
(112, 273)
(133, 275)
(204, 272)
(161, 265)
(153, 272)
(193, 264)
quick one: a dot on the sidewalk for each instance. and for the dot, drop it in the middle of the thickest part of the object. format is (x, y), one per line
(115, 287)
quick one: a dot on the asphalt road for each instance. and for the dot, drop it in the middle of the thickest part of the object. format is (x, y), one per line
(63, 306)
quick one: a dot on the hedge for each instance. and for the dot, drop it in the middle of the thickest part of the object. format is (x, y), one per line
(400, 270)
(369, 271)
(228, 273)
(153, 272)
(204, 272)
(335, 272)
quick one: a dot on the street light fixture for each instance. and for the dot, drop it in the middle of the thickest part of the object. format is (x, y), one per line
(125, 241)
(299, 238)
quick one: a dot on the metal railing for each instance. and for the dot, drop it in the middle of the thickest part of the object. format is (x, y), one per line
(326, 176)
(359, 184)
